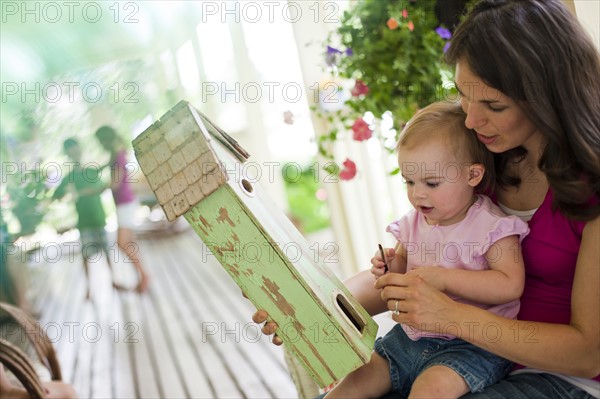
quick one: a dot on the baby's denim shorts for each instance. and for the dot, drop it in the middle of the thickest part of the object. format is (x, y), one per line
(408, 359)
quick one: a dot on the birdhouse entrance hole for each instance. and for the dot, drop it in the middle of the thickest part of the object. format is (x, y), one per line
(247, 186)
(350, 313)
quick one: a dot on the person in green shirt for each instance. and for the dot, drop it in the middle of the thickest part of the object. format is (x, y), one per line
(85, 185)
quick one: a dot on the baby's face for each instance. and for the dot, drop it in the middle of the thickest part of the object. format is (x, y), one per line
(437, 183)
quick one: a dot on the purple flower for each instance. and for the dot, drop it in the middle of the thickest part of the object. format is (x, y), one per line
(443, 32)
(446, 46)
(333, 50)
(349, 52)
(331, 57)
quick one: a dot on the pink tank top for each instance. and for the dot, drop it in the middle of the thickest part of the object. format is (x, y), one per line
(124, 193)
(550, 254)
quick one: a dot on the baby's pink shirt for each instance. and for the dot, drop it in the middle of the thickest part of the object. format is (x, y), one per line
(462, 245)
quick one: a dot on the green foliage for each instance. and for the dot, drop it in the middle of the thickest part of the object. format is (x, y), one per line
(28, 198)
(308, 211)
(393, 48)
(401, 67)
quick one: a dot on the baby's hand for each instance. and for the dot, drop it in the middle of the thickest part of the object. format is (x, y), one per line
(433, 275)
(378, 268)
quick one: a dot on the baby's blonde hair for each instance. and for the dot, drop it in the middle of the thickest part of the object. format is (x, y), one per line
(446, 120)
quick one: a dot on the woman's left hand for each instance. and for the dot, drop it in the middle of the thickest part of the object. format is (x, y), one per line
(417, 303)
(432, 275)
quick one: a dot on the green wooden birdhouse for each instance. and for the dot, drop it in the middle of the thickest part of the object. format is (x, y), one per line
(188, 162)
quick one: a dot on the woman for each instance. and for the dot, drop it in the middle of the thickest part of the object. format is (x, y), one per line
(528, 78)
(125, 200)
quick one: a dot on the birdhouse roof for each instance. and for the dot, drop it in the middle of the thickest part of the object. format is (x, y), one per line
(176, 156)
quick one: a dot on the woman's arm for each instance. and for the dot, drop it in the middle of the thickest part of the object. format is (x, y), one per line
(572, 349)
(502, 283)
(362, 287)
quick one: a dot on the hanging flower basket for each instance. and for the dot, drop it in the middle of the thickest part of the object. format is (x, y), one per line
(389, 54)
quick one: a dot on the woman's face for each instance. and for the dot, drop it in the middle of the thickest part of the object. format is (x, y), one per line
(500, 123)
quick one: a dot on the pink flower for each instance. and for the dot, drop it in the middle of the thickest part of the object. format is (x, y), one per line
(405, 13)
(349, 170)
(392, 23)
(288, 117)
(411, 26)
(359, 88)
(361, 130)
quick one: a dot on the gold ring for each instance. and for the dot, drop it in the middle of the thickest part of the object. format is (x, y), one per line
(396, 311)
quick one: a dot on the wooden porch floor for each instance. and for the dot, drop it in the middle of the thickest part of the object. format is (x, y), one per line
(189, 336)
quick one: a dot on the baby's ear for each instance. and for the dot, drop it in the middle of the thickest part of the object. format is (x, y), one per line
(476, 172)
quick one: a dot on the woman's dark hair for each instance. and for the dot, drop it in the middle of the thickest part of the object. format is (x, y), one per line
(70, 142)
(537, 53)
(106, 134)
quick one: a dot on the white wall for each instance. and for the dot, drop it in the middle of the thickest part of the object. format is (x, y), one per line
(588, 12)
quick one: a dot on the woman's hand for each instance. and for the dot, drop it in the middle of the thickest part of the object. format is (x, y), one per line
(378, 268)
(432, 275)
(360, 286)
(261, 316)
(418, 303)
